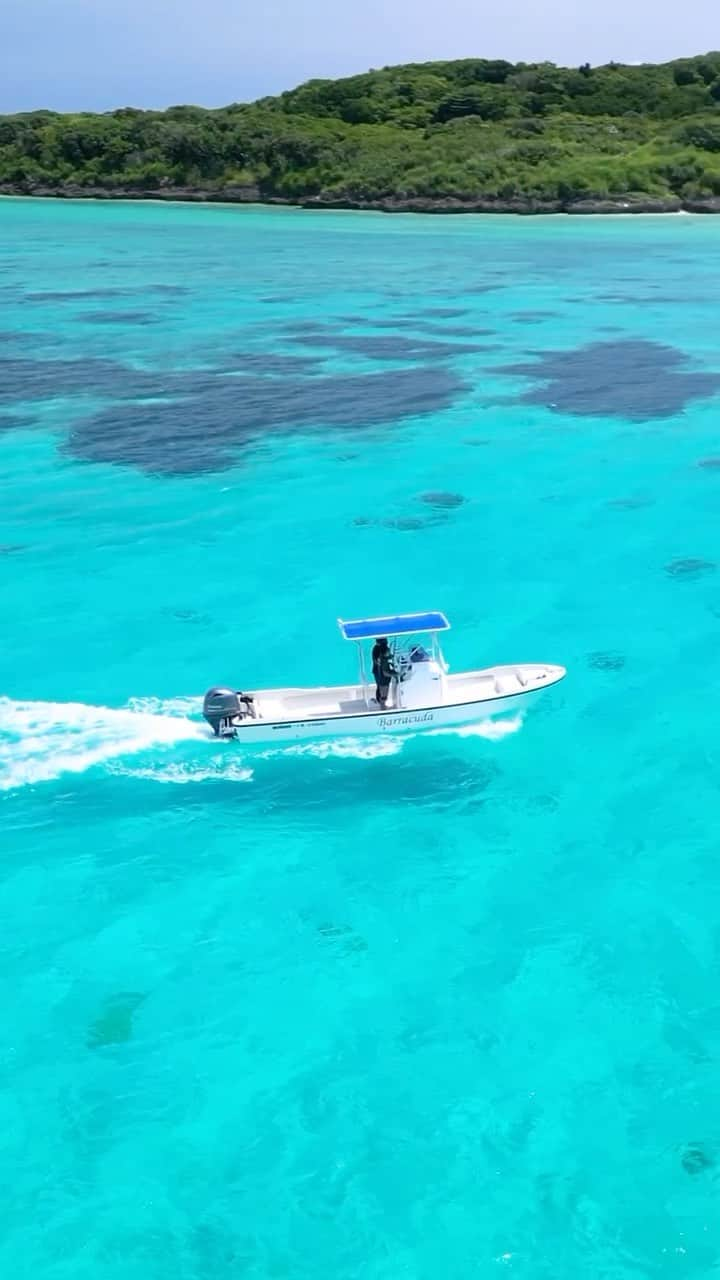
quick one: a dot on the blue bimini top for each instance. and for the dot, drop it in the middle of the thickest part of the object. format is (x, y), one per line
(401, 624)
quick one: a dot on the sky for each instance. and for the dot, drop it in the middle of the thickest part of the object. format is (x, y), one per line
(98, 54)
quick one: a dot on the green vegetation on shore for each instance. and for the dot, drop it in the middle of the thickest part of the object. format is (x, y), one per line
(466, 131)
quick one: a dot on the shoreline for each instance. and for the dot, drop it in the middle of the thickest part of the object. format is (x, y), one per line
(447, 205)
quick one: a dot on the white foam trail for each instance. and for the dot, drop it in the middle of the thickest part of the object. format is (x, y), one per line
(492, 730)
(181, 774)
(340, 748)
(375, 748)
(40, 741)
(188, 706)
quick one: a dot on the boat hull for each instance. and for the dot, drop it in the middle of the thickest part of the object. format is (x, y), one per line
(388, 723)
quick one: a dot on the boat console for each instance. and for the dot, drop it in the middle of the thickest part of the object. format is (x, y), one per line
(420, 678)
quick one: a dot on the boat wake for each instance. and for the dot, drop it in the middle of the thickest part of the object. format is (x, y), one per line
(41, 741)
(222, 769)
(492, 730)
(375, 748)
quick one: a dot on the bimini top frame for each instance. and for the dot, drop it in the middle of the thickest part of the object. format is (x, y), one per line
(400, 624)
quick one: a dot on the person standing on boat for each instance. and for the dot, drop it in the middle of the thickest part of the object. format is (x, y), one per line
(383, 670)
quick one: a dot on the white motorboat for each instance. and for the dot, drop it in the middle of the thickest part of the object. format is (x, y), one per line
(421, 692)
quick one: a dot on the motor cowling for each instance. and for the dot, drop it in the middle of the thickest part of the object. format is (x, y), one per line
(224, 709)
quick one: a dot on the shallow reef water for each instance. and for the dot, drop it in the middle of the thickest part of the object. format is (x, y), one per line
(429, 1006)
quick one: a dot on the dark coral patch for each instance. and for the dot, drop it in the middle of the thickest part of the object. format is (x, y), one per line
(345, 938)
(606, 660)
(20, 337)
(382, 346)
(482, 288)
(23, 379)
(635, 380)
(114, 1023)
(690, 567)
(271, 364)
(14, 422)
(441, 498)
(416, 324)
(457, 331)
(405, 523)
(650, 298)
(445, 313)
(634, 502)
(696, 1159)
(709, 464)
(300, 327)
(190, 421)
(420, 314)
(408, 524)
(187, 615)
(532, 317)
(118, 317)
(102, 292)
(76, 295)
(360, 322)
(201, 432)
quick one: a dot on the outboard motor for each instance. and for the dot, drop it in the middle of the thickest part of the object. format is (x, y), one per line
(224, 709)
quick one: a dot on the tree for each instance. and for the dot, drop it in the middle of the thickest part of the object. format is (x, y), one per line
(476, 100)
(704, 136)
(683, 75)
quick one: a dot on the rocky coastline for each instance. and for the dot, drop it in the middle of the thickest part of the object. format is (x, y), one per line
(621, 204)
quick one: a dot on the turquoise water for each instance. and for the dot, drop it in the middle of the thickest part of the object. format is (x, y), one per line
(435, 1006)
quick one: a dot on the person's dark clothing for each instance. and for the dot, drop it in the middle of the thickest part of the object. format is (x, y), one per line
(383, 671)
